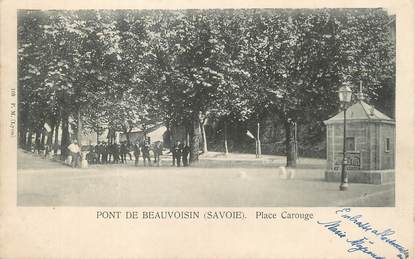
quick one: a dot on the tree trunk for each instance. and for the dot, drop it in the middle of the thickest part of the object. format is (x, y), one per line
(65, 140)
(43, 137)
(97, 132)
(225, 130)
(259, 152)
(50, 135)
(145, 133)
(37, 139)
(56, 142)
(23, 138)
(194, 139)
(187, 134)
(295, 141)
(29, 140)
(109, 136)
(168, 139)
(23, 123)
(127, 135)
(289, 145)
(202, 127)
(21, 132)
(79, 127)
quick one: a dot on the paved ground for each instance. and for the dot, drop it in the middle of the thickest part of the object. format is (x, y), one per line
(231, 181)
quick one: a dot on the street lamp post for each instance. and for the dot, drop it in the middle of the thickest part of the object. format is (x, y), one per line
(345, 96)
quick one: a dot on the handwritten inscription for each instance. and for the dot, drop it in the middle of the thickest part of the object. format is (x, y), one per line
(334, 227)
(370, 234)
(383, 235)
(360, 237)
(360, 245)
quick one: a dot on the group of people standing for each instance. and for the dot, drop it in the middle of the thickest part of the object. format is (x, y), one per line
(106, 153)
(144, 150)
(180, 154)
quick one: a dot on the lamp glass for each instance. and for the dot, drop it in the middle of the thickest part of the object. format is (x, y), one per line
(345, 94)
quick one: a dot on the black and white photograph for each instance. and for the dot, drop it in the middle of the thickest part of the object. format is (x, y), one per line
(260, 107)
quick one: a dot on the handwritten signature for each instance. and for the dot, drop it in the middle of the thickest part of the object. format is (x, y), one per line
(365, 243)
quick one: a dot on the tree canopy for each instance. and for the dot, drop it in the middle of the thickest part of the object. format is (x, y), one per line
(121, 69)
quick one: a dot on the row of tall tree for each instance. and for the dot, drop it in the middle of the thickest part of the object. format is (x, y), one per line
(125, 68)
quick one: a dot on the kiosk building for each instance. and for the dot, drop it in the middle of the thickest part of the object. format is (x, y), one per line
(370, 145)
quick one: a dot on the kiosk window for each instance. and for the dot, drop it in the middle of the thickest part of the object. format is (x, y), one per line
(387, 144)
(350, 145)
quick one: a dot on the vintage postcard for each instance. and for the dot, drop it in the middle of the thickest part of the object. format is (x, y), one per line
(217, 129)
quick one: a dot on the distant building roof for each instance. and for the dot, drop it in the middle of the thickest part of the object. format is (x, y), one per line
(361, 111)
(150, 128)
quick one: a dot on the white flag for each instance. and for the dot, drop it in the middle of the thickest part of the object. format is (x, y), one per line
(47, 127)
(250, 134)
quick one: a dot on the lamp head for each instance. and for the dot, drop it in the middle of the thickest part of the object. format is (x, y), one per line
(345, 94)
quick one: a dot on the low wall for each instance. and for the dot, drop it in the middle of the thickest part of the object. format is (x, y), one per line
(367, 176)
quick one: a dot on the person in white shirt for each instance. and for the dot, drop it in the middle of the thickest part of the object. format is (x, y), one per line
(75, 152)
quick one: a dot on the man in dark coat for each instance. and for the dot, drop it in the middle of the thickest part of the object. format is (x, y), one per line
(173, 153)
(123, 151)
(185, 155)
(158, 151)
(136, 149)
(37, 146)
(98, 152)
(47, 150)
(110, 152)
(145, 150)
(179, 152)
(129, 149)
(105, 152)
(90, 156)
(116, 153)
